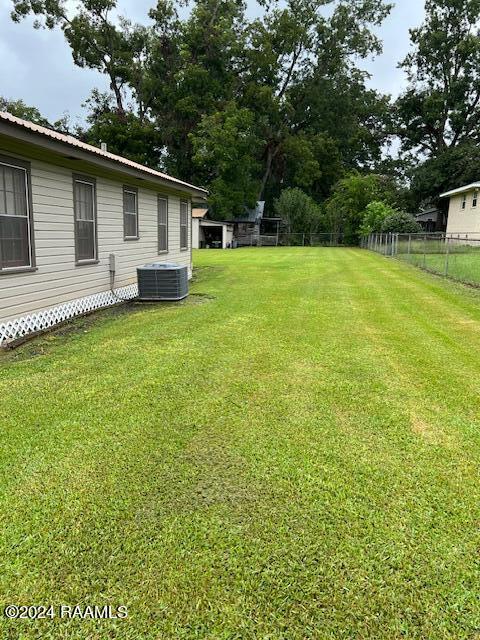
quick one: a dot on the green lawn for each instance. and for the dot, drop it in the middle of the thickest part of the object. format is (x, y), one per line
(295, 455)
(463, 260)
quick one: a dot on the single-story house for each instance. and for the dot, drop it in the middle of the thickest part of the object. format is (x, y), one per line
(65, 208)
(432, 219)
(210, 234)
(464, 209)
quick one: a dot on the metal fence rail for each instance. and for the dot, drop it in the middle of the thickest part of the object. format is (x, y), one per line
(291, 240)
(453, 255)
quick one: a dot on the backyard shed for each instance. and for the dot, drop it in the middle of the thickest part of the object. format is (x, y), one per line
(210, 234)
(65, 208)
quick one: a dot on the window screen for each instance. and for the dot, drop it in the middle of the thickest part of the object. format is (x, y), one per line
(183, 224)
(85, 223)
(130, 213)
(162, 224)
(15, 243)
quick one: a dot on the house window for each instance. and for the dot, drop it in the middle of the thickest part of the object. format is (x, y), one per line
(16, 246)
(130, 213)
(464, 201)
(475, 199)
(183, 224)
(162, 208)
(85, 219)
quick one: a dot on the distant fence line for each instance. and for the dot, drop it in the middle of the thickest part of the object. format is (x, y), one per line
(453, 255)
(291, 240)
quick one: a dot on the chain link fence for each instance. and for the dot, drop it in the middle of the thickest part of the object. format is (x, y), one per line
(455, 256)
(292, 240)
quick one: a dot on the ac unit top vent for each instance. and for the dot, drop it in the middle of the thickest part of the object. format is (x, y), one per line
(171, 266)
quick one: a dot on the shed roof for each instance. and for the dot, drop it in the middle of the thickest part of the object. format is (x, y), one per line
(214, 223)
(199, 213)
(467, 187)
(70, 141)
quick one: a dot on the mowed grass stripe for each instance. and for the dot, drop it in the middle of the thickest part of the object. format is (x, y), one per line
(294, 456)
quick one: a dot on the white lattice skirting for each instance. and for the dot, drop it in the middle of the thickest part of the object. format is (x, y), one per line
(50, 317)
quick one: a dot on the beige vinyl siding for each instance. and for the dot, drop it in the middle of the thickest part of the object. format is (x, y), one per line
(466, 220)
(58, 279)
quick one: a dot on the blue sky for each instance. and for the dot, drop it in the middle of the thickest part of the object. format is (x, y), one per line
(37, 66)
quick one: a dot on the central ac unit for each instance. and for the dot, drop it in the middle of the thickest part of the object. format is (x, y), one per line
(162, 281)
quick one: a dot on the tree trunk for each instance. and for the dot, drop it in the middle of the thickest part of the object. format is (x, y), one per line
(118, 97)
(271, 152)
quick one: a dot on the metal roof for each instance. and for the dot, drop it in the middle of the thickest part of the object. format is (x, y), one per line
(199, 213)
(468, 187)
(96, 151)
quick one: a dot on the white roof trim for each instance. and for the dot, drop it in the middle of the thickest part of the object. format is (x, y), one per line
(212, 223)
(468, 187)
(74, 142)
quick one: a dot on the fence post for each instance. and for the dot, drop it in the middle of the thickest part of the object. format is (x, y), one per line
(409, 245)
(303, 240)
(424, 250)
(447, 255)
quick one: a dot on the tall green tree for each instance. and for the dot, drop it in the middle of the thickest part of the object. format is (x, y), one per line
(226, 148)
(97, 39)
(441, 107)
(295, 47)
(194, 70)
(282, 63)
(273, 82)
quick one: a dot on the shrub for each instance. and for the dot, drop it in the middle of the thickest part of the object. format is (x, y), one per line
(374, 217)
(299, 211)
(350, 197)
(400, 222)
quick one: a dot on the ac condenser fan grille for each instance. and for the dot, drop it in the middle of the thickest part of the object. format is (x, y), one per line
(162, 281)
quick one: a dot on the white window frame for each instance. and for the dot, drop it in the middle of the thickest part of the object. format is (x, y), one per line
(464, 202)
(185, 203)
(132, 191)
(31, 253)
(475, 199)
(91, 182)
(160, 197)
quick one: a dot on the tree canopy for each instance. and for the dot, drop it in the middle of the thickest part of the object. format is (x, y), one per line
(269, 107)
(244, 106)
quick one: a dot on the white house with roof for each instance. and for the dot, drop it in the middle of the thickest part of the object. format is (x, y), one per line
(66, 207)
(464, 209)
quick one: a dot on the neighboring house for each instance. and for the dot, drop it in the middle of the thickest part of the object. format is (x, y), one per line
(212, 234)
(65, 207)
(432, 219)
(464, 209)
